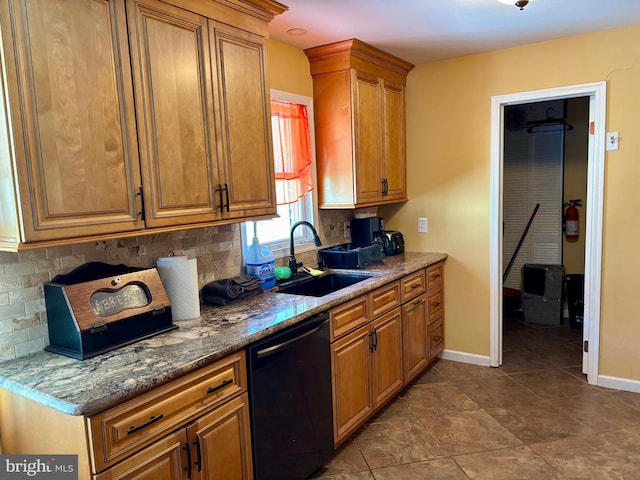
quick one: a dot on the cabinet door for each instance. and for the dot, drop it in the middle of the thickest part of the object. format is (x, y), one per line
(170, 53)
(74, 137)
(221, 442)
(436, 338)
(162, 460)
(415, 346)
(367, 121)
(351, 370)
(247, 186)
(393, 138)
(387, 357)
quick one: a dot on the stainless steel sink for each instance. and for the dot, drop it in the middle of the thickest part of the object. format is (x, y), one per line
(322, 285)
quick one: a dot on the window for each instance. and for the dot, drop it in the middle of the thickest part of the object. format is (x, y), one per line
(292, 128)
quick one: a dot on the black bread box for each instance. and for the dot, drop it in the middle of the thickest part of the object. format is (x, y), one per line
(99, 307)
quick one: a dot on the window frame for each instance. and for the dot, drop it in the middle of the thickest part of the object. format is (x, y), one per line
(303, 240)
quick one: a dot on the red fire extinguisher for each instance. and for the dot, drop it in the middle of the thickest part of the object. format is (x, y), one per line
(571, 219)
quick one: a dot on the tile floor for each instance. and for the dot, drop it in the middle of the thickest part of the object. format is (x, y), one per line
(533, 418)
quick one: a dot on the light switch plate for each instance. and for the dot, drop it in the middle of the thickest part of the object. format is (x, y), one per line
(422, 225)
(613, 140)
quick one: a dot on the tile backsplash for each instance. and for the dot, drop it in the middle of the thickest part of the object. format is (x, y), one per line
(23, 319)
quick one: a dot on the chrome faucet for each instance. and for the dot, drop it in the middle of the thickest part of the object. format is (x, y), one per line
(293, 264)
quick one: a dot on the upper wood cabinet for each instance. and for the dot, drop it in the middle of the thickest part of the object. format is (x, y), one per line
(69, 159)
(246, 156)
(359, 109)
(125, 117)
(172, 79)
(201, 89)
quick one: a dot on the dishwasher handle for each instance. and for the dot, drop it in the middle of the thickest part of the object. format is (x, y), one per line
(265, 352)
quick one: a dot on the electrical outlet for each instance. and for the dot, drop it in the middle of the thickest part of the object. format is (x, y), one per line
(422, 225)
(347, 229)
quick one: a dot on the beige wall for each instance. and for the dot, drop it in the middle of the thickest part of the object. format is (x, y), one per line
(289, 69)
(448, 133)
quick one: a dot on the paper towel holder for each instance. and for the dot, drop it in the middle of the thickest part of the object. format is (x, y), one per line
(99, 307)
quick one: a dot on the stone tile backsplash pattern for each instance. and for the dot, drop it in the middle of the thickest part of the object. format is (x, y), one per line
(23, 318)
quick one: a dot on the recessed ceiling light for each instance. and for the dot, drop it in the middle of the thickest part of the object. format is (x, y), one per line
(518, 3)
(296, 32)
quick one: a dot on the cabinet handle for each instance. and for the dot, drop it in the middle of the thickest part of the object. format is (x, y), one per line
(385, 187)
(415, 285)
(199, 460)
(226, 194)
(220, 202)
(417, 302)
(151, 420)
(373, 344)
(188, 467)
(435, 304)
(222, 385)
(141, 195)
(437, 339)
(435, 275)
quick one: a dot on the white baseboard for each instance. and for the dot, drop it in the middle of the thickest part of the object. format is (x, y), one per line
(619, 383)
(465, 357)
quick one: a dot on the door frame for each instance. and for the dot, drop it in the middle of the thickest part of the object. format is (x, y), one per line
(597, 93)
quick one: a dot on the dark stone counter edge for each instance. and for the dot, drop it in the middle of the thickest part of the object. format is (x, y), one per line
(103, 401)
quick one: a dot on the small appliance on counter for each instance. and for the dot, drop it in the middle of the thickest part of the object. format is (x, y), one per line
(370, 231)
(364, 231)
(394, 243)
(99, 307)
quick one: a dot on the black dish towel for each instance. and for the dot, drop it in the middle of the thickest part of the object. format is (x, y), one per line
(228, 290)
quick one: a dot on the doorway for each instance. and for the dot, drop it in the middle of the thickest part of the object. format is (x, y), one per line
(596, 92)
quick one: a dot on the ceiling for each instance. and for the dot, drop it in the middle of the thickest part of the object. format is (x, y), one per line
(423, 31)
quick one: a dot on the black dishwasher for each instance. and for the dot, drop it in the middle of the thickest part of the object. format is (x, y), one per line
(290, 393)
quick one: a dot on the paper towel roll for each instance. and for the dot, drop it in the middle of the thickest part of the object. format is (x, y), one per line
(179, 277)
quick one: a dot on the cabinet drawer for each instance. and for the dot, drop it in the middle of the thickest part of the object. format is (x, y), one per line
(435, 304)
(385, 298)
(435, 275)
(436, 337)
(413, 285)
(349, 316)
(123, 430)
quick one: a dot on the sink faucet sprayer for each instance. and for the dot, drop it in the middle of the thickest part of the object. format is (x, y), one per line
(293, 264)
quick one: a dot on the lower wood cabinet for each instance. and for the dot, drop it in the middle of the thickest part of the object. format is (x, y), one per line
(220, 443)
(415, 339)
(195, 427)
(382, 341)
(351, 373)
(163, 460)
(386, 371)
(215, 447)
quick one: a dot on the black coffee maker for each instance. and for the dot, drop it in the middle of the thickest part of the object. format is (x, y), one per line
(366, 231)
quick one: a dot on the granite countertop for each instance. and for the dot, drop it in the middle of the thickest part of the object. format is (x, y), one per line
(87, 387)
